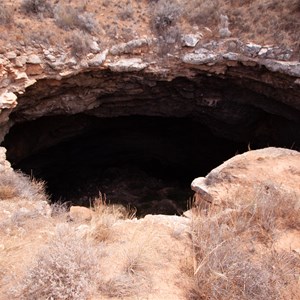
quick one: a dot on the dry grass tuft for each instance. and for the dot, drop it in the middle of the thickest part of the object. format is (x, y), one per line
(227, 265)
(38, 7)
(16, 184)
(133, 277)
(165, 14)
(66, 269)
(6, 15)
(205, 12)
(121, 286)
(69, 18)
(79, 42)
(105, 217)
(7, 192)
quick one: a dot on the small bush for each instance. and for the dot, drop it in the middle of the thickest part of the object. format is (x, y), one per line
(202, 12)
(126, 13)
(166, 13)
(37, 7)
(68, 18)
(79, 43)
(105, 217)
(121, 286)
(6, 16)
(66, 269)
(226, 267)
(16, 184)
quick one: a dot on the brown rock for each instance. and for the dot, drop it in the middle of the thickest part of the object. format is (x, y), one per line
(80, 214)
(34, 69)
(240, 177)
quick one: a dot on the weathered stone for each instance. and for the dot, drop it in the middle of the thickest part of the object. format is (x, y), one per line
(4, 164)
(71, 62)
(263, 52)
(190, 40)
(11, 55)
(34, 69)
(128, 65)
(252, 49)
(201, 56)
(34, 59)
(231, 56)
(8, 100)
(20, 61)
(98, 59)
(238, 179)
(57, 65)
(94, 47)
(128, 47)
(51, 57)
(290, 68)
(80, 214)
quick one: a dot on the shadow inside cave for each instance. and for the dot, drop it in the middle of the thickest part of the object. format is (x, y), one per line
(143, 162)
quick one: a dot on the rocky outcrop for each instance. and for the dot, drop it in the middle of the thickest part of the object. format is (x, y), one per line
(247, 176)
(235, 89)
(4, 164)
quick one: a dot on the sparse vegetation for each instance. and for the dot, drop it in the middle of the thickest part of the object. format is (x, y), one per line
(6, 15)
(262, 21)
(235, 255)
(68, 18)
(79, 42)
(16, 184)
(165, 15)
(204, 12)
(66, 269)
(105, 217)
(126, 13)
(37, 7)
(259, 21)
(227, 262)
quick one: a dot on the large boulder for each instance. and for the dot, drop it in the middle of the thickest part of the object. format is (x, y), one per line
(242, 177)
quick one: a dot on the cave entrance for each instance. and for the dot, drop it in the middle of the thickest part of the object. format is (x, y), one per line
(142, 162)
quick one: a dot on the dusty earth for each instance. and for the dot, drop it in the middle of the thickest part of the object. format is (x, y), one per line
(153, 257)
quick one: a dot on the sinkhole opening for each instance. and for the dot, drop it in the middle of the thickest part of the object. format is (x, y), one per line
(137, 161)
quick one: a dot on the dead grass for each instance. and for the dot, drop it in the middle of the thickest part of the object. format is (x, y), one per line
(121, 286)
(66, 269)
(261, 21)
(6, 15)
(68, 17)
(79, 42)
(105, 217)
(133, 276)
(228, 263)
(37, 7)
(16, 184)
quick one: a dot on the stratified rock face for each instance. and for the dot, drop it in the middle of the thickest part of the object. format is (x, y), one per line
(241, 178)
(233, 88)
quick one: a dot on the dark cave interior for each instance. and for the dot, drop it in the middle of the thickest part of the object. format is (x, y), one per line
(140, 140)
(144, 162)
